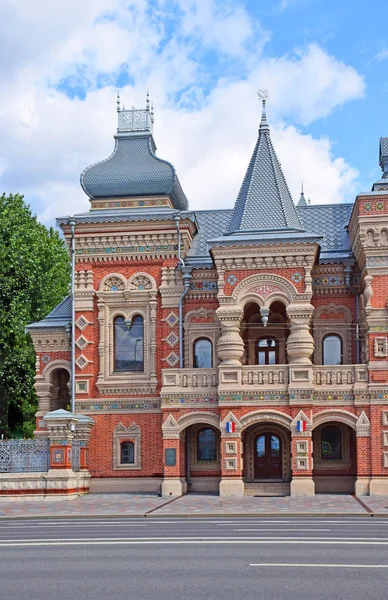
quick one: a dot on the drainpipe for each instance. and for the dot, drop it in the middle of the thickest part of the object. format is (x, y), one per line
(186, 276)
(71, 222)
(355, 294)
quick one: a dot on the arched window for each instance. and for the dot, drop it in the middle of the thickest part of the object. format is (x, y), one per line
(203, 354)
(332, 350)
(267, 351)
(331, 443)
(127, 453)
(129, 344)
(206, 444)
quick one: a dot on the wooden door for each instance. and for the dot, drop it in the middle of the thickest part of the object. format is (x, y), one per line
(268, 456)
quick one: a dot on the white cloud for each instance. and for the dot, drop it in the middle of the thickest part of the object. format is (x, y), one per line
(382, 55)
(47, 139)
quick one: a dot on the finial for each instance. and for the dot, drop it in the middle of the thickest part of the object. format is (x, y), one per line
(148, 100)
(302, 199)
(264, 95)
(309, 200)
(152, 112)
(118, 101)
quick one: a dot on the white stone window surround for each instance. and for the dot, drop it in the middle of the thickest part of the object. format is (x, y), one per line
(127, 303)
(203, 465)
(339, 327)
(195, 330)
(126, 434)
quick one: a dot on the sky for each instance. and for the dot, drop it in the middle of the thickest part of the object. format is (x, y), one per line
(324, 63)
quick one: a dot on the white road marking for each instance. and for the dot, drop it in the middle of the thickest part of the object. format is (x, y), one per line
(187, 541)
(281, 529)
(68, 525)
(330, 566)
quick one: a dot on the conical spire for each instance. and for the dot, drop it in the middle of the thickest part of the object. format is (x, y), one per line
(302, 199)
(264, 202)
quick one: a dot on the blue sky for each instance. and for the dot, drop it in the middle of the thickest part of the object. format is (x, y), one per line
(324, 62)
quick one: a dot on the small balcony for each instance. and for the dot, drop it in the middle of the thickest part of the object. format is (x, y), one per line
(264, 377)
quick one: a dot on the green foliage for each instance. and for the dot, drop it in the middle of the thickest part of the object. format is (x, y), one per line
(34, 277)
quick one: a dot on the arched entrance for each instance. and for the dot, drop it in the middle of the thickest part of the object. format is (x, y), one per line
(334, 458)
(60, 396)
(267, 456)
(267, 460)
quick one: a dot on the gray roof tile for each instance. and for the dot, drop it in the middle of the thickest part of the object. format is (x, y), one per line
(59, 316)
(133, 170)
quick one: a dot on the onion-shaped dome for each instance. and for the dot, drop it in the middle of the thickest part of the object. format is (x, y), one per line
(133, 169)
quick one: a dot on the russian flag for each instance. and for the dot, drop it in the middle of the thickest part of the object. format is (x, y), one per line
(230, 427)
(301, 426)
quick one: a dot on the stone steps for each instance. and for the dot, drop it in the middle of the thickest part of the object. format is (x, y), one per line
(267, 489)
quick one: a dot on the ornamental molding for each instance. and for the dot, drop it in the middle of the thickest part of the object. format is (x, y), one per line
(56, 364)
(264, 280)
(116, 282)
(50, 340)
(331, 415)
(363, 426)
(270, 416)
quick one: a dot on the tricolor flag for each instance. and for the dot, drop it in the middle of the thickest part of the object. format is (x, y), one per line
(230, 427)
(301, 426)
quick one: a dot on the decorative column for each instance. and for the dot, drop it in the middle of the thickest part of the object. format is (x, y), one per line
(302, 483)
(82, 433)
(101, 340)
(231, 483)
(364, 459)
(300, 343)
(153, 304)
(230, 346)
(60, 426)
(174, 479)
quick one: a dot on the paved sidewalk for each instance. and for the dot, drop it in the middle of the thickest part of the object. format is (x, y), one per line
(193, 504)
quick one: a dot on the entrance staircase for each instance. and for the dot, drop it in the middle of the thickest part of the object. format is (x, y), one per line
(267, 488)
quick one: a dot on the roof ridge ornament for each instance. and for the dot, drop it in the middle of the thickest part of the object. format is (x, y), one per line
(263, 95)
(135, 121)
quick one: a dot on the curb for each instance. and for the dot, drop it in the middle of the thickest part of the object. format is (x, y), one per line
(193, 515)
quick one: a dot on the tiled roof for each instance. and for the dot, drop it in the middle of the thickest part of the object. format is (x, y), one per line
(329, 221)
(59, 316)
(133, 170)
(264, 201)
(211, 223)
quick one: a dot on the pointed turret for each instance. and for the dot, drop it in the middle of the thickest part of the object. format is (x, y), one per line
(264, 202)
(302, 199)
(382, 184)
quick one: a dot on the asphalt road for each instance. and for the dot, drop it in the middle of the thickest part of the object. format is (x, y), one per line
(202, 558)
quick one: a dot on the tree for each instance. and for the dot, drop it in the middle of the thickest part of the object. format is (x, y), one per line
(35, 275)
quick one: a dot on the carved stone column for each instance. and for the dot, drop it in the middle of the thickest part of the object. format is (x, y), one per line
(153, 303)
(230, 346)
(101, 341)
(300, 343)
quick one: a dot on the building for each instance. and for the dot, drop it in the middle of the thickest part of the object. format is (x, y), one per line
(241, 350)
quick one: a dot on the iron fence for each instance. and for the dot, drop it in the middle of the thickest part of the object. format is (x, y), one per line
(24, 456)
(75, 455)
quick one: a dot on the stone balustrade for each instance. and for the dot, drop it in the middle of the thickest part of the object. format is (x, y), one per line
(340, 376)
(189, 379)
(266, 377)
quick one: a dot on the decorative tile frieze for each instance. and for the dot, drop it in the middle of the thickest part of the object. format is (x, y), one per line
(172, 339)
(146, 203)
(172, 319)
(82, 387)
(82, 322)
(82, 362)
(82, 342)
(189, 399)
(172, 359)
(96, 405)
